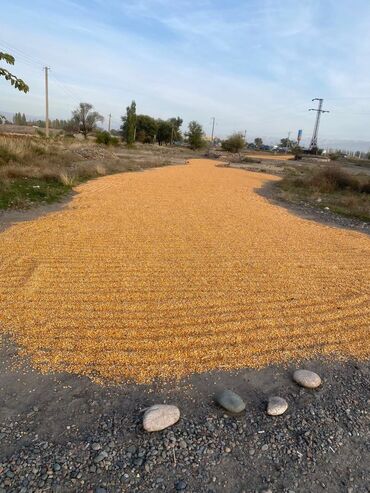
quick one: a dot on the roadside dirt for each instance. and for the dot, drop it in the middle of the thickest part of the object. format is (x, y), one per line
(50, 423)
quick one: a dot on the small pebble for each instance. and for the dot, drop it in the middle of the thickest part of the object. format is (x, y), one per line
(276, 406)
(103, 455)
(230, 401)
(180, 485)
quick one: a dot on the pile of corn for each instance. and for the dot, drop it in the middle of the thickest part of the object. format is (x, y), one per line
(179, 270)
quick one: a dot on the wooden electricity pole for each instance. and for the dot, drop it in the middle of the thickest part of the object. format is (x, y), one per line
(46, 102)
(110, 116)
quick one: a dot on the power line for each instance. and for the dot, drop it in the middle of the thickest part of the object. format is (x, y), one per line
(21, 54)
(65, 89)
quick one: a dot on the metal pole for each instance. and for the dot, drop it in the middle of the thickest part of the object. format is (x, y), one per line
(319, 110)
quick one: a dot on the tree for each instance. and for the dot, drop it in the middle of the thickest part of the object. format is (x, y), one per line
(84, 120)
(234, 143)
(19, 119)
(175, 129)
(164, 132)
(195, 135)
(15, 81)
(129, 124)
(258, 142)
(169, 130)
(146, 129)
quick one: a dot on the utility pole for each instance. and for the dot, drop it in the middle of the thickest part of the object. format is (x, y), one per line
(110, 116)
(46, 102)
(245, 136)
(288, 142)
(319, 110)
(213, 128)
(172, 132)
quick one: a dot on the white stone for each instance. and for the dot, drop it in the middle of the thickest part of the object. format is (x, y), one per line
(276, 406)
(307, 378)
(160, 416)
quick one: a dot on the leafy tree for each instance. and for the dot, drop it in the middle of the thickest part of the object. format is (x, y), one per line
(146, 129)
(284, 142)
(164, 132)
(129, 124)
(84, 120)
(258, 142)
(195, 135)
(15, 81)
(289, 144)
(175, 129)
(234, 143)
(169, 130)
(19, 119)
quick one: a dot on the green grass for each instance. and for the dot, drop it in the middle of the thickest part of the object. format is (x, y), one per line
(23, 193)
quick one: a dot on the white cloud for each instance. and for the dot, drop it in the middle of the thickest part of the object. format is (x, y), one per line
(253, 65)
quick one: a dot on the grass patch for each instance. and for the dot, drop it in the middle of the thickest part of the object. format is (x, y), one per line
(35, 170)
(23, 193)
(342, 192)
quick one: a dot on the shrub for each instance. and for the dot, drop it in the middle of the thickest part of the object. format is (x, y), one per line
(330, 180)
(365, 187)
(334, 156)
(6, 155)
(234, 143)
(106, 138)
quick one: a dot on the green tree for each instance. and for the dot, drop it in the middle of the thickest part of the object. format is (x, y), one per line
(175, 129)
(146, 129)
(129, 124)
(19, 120)
(284, 142)
(258, 142)
(195, 135)
(15, 81)
(84, 120)
(164, 132)
(234, 143)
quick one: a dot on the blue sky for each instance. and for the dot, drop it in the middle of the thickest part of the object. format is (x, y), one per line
(253, 64)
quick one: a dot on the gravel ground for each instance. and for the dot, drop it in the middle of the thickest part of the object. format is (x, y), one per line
(63, 433)
(312, 213)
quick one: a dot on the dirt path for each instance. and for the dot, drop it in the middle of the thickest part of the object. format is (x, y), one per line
(180, 270)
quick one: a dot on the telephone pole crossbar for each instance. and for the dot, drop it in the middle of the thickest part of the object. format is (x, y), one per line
(319, 110)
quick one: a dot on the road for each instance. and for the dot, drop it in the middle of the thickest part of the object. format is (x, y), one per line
(178, 270)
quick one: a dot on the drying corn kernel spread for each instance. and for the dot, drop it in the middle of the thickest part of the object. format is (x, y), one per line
(179, 270)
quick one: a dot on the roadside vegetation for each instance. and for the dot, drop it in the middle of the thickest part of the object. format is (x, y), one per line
(34, 170)
(328, 187)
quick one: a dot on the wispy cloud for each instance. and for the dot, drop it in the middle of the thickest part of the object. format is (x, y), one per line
(254, 64)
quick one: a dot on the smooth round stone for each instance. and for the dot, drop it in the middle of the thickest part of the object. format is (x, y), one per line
(276, 406)
(306, 378)
(160, 416)
(230, 401)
